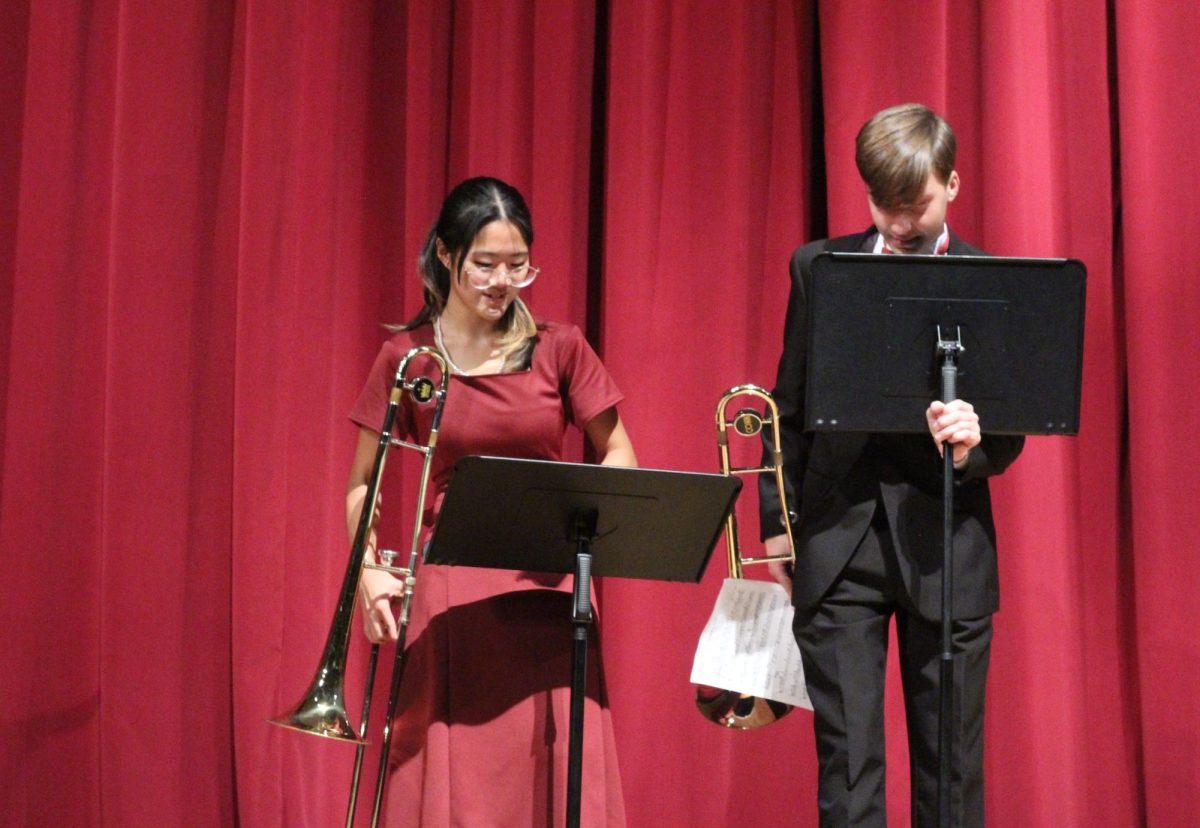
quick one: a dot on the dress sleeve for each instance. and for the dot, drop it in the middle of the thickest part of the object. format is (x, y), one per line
(371, 406)
(587, 388)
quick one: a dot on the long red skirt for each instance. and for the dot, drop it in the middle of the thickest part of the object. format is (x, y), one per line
(482, 727)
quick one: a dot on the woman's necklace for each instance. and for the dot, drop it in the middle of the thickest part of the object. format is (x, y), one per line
(441, 343)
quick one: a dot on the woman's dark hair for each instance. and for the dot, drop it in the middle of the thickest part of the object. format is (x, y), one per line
(468, 208)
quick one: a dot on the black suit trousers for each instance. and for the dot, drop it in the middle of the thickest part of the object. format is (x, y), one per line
(843, 643)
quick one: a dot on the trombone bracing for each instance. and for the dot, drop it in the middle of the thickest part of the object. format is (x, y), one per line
(728, 707)
(322, 710)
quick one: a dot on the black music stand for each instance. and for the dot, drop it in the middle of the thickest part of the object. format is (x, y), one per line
(889, 334)
(545, 516)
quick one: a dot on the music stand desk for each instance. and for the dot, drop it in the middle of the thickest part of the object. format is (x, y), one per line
(548, 516)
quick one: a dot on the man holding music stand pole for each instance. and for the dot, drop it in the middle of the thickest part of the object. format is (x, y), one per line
(857, 497)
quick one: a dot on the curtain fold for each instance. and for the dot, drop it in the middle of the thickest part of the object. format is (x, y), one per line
(1160, 297)
(207, 213)
(709, 118)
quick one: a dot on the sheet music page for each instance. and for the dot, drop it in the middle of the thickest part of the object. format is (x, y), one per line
(747, 645)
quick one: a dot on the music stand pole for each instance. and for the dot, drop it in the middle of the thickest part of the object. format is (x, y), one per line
(581, 617)
(948, 350)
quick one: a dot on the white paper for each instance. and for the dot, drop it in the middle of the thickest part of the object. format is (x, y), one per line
(747, 645)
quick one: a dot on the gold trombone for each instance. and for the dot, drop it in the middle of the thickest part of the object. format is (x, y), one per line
(730, 708)
(322, 710)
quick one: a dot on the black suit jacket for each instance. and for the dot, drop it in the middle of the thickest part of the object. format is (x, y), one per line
(836, 481)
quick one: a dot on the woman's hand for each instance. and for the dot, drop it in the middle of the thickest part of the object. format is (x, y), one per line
(376, 592)
(376, 589)
(956, 423)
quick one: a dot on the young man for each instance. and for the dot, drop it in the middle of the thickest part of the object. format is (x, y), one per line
(867, 513)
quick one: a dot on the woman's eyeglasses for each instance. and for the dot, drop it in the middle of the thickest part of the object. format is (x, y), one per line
(483, 277)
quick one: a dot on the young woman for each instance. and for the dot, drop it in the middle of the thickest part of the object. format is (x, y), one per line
(481, 731)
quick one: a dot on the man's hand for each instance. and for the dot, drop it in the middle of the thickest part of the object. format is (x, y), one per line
(781, 571)
(956, 423)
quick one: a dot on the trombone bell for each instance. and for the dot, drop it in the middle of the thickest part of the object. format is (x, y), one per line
(322, 712)
(740, 711)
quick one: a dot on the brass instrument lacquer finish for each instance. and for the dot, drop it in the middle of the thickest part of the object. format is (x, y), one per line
(322, 710)
(728, 707)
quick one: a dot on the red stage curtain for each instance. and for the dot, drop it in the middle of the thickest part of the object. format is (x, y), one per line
(1160, 298)
(710, 106)
(206, 213)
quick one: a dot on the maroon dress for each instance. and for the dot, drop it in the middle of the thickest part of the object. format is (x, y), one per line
(481, 731)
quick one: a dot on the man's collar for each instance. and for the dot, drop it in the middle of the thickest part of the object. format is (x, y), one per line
(939, 249)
